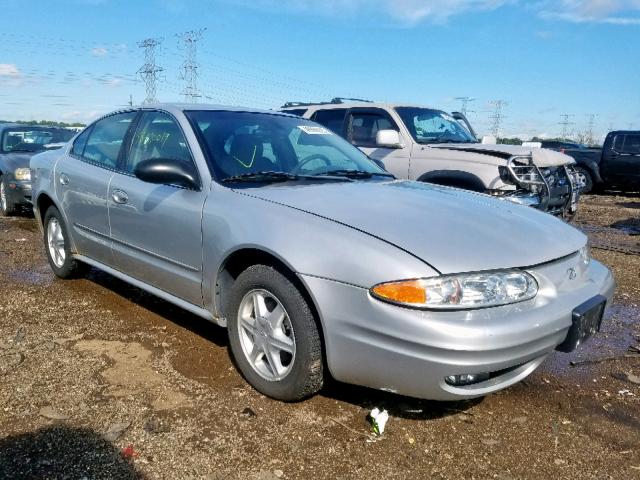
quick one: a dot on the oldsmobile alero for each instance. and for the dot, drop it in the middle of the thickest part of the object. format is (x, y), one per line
(315, 259)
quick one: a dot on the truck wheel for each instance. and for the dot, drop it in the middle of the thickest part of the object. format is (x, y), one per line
(587, 179)
(273, 335)
(6, 207)
(56, 245)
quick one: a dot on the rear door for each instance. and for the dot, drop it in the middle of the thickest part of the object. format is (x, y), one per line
(82, 183)
(362, 126)
(157, 229)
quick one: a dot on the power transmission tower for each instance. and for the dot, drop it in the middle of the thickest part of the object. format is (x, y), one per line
(497, 116)
(189, 41)
(465, 104)
(149, 72)
(590, 124)
(565, 125)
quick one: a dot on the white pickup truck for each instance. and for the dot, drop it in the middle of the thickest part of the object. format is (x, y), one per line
(430, 145)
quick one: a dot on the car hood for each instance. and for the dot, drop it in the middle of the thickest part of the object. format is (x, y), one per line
(542, 157)
(450, 229)
(11, 161)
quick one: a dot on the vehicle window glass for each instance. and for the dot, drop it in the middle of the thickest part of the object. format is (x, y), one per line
(105, 139)
(631, 144)
(238, 143)
(81, 141)
(365, 126)
(617, 143)
(298, 112)
(433, 126)
(30, 139)
(158, 135)
(332, 119)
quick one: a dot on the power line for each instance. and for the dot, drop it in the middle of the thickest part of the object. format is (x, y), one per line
(190, 65)
(149, 72)
(497, 116)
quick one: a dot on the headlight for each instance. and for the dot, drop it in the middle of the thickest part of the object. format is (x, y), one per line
(460, 292)
(22, 174)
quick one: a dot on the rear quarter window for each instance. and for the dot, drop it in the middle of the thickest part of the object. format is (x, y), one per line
(80, 143)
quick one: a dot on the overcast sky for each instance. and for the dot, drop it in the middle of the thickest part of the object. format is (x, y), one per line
(76, 59)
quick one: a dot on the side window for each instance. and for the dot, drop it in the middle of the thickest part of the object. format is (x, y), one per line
(617, 143)
(298, 112)
(158, 136)
(333, 119)
(365, 125)
(106, 138)
(631, 144)
(80, 143)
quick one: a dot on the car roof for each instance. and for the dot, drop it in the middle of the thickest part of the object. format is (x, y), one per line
(356, 105)
(4, 126)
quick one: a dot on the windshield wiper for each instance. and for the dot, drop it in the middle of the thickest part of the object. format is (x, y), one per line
(269, 176)
(354, 173)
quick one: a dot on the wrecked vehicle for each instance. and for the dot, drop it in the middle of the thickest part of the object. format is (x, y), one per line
(432, 146)
(18, 143)
(313, 257)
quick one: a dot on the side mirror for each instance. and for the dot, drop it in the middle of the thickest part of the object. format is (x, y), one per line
(388, 139)
(167, 172)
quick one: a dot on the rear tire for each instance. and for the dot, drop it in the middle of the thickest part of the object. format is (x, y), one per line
(57, 247)
(7, 208)
(587, 178)
(278, 351)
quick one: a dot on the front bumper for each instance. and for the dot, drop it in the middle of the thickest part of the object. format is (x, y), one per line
(554, 190)
(411, 352)
(18, 192)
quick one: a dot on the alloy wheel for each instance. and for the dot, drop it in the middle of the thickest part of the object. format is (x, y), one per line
(266, 335)
(55, 242)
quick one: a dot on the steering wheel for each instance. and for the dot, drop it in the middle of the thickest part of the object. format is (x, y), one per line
(310, 158)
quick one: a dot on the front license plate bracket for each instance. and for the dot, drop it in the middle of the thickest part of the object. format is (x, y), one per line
(586, 320)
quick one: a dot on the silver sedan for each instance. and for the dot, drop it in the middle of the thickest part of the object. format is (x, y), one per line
(315, 259)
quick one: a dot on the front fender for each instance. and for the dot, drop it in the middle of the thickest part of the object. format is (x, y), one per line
(310, 245)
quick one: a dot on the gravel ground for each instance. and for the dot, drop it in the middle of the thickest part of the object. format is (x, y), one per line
(100, 380)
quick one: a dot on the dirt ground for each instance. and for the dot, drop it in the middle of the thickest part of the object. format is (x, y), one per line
(100, 380)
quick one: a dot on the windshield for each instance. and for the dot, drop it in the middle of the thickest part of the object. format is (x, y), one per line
(32, 139)
(433, 126)
(242, 144)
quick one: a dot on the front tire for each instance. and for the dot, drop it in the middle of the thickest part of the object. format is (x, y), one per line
(586, 177)
(7, 208)
(57, 247)
(273, 335)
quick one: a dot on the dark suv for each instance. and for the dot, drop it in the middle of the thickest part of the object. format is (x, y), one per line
(18, 143)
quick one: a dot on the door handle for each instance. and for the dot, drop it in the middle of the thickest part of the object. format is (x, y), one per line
(63, 179)
(120, 196)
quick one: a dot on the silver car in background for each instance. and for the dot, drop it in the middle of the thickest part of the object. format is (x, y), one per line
(313, 257)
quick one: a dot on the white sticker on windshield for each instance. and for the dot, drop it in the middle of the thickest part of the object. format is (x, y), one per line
(311, 130)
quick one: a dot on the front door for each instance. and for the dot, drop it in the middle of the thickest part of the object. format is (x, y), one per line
(156, 229)
(362, 126)
(82, 182)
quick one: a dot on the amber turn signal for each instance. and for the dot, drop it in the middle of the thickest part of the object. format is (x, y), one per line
(408, 291)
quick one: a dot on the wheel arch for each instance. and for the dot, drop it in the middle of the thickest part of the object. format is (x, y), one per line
(43, 202)
(454, 178)
(242, 258)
